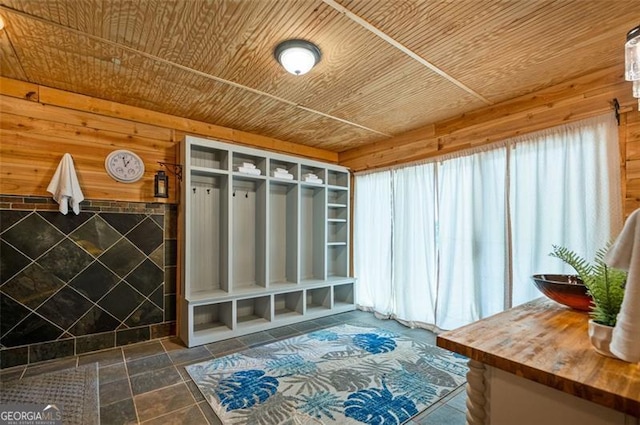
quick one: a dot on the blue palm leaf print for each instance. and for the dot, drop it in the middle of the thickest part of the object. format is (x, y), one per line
(374, 344)
(290, 364)
(324, 335)
(377, 406)
(321, 404)
(245, 389)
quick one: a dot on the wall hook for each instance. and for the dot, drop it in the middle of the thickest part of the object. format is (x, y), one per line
(246, 195)
(194, 190)
(208, 191)
(234, 192)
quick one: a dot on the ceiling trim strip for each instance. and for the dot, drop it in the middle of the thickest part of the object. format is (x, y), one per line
(186, 68)
(371, 28)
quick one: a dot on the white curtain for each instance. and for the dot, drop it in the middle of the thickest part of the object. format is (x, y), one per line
(565, 190)
(472, 238)
(372, 241)
(442, 245)
(414, 244)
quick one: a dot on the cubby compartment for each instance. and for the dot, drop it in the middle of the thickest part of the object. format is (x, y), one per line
(283, 233)
(343, 295)
(337, 214)
(283, 170)
(318, 299)
(251, 165)
(288, 305)
(337, 178)
(337, 232)
(312, 175)
(212, 318)
(312, 233)
(248, 212)
(209, 157)
(208, 232)
(253, 311)
(337, 261)
(337, 198)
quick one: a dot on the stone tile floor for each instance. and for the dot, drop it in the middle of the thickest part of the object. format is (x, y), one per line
(146, 383)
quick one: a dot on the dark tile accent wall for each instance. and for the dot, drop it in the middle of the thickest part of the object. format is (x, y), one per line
(80, 283)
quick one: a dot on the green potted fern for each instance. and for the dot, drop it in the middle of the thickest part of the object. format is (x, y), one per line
(606, 287)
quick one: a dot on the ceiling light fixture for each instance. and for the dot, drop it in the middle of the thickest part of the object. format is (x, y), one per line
(297, 56)
(632, 61)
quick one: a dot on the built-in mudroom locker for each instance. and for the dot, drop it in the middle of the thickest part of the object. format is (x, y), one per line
(264, 240)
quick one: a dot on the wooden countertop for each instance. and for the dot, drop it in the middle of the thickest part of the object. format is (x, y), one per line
(548, 343)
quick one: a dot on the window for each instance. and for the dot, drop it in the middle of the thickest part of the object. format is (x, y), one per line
(446, 243)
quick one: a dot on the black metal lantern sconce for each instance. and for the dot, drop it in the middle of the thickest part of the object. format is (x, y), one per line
(161, 180)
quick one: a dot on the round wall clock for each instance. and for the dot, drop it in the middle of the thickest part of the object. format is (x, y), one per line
(124, 166)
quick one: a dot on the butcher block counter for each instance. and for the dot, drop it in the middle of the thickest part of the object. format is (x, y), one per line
(534, 364)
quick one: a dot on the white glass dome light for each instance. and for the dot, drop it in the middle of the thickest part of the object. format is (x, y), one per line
(297, 56)
(632, 61)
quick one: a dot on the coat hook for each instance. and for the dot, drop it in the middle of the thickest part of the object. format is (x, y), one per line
(234, 192)
(208, 191)
(194, 190)
(246, 195)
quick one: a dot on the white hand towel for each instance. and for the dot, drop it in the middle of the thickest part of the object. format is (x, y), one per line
(64, 186)
(286, 176)
(254, 171)
(625, 254)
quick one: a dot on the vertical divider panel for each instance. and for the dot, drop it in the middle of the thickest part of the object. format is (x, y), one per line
(234, 315)
(320, 234)
(224, 247)
(262, 191)
(297, 246)
(293, 234)
(269, 233)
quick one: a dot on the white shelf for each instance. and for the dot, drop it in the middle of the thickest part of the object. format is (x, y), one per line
(279, 180)
(245, 176)
(207, 171)
(259, 251)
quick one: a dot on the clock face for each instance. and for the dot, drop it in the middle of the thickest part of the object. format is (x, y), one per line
(124, 166)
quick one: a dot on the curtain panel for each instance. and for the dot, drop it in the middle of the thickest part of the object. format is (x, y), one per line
(446, 243)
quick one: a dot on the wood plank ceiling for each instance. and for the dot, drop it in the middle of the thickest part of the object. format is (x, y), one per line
(388, 66)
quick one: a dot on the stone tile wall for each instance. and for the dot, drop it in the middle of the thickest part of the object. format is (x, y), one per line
(71, 284)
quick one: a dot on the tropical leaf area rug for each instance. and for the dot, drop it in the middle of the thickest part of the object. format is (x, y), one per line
(340, 375)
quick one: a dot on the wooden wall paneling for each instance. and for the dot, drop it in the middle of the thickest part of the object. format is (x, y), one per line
(632, 161)
(38, 131)
(586, 97)
(35, 136)
(20, 89)
(140, 115)
(81, 119)
(513, 110)
(622, 146)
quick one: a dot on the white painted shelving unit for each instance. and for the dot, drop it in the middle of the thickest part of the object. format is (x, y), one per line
(259, 251)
